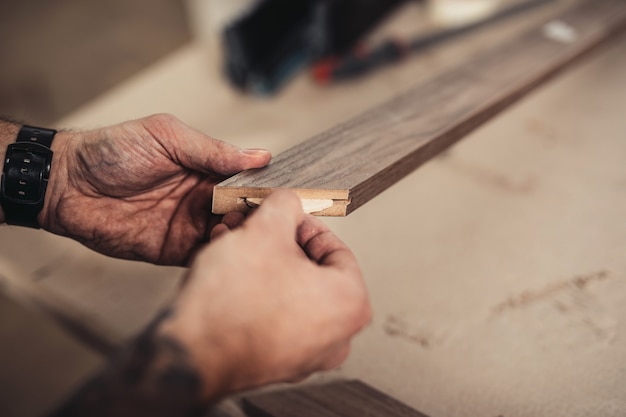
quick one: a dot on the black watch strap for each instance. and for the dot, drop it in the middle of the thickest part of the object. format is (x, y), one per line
(37, 135)
(25, 176)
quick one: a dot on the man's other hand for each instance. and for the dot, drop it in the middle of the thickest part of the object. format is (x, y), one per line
(274, 300)
(140, 190)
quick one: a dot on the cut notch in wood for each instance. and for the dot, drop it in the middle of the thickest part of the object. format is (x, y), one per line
(309, 206)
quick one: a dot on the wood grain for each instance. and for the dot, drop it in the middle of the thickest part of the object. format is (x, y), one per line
(357, 160)
(337, 399)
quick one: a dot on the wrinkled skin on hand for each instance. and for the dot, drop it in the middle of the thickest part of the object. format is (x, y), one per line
(140, 190)
(274, 298)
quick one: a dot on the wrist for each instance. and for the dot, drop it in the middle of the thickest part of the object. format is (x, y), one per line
(58, 181)
(207, 357)
(151, 376)
(8, 135)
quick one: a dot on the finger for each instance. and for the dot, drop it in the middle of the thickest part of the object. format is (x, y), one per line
(328, 360)
(199, 152)
(203, 153)
(323, 246)
(279, 215)
(234, 219)
(219, 230)
(337, 357)
(229, 222)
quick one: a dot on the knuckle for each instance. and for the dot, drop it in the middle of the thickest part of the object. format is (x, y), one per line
(354, 299)
(361, 309)
(162, 123)
(367, 314)
(162, 118)
(338, 358)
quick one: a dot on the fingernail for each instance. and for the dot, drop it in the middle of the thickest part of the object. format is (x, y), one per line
(255, 151)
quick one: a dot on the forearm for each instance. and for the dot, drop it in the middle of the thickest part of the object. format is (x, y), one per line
(8, 131)
(154, 376)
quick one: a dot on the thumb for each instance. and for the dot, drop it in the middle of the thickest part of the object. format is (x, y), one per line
(196, 151)
(280, 215)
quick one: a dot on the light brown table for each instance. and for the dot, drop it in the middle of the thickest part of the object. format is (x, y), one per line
(497, 273)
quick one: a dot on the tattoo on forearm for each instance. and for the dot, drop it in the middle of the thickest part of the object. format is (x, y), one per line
(152, 377)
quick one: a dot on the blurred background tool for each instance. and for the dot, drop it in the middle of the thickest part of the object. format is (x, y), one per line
(276, 38)
(362, 61)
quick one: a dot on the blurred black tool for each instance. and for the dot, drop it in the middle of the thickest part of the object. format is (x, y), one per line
(362, 61)
(276, 38)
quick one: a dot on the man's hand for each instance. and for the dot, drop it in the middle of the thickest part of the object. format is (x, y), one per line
(274, 300)
(141, 190)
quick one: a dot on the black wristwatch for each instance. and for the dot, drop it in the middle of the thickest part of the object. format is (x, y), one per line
(25, 176)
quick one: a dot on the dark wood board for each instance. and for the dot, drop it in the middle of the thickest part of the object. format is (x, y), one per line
(337, 399)
(357, 160)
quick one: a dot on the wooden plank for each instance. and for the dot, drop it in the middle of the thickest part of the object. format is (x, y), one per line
(337, 399)
(357, 160)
